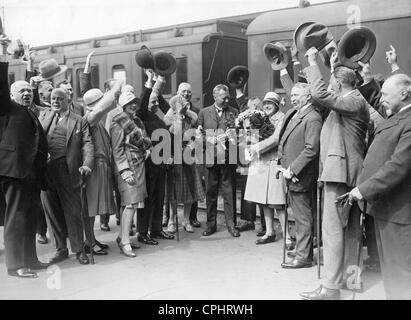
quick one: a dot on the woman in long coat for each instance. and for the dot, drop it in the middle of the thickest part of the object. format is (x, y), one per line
(183, 179)
(99, 190)
(130, 149)
(263, 186)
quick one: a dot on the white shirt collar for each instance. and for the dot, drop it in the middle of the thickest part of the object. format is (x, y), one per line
(405, 108)
(348, 93)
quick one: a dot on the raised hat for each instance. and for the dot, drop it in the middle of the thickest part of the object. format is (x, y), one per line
(16, 49)
(357, 44)
(238, 76)
(125, 98)
(164, 63)
(144, 58)
(49, 69)
(272, 97)
(92, 96)
(312, 34)
(276, 54)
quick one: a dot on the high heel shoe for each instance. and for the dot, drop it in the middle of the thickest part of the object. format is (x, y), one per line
(127, 253)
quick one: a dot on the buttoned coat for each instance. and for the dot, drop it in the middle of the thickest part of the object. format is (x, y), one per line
(80, 148)
(343, 136)
(385, 181)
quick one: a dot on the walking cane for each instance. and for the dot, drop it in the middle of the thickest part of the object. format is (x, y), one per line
(85, 216)
(319, 196)
(285, 217)
(358, 270)
(175, 198)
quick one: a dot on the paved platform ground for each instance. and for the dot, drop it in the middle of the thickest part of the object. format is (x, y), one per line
(215, 267)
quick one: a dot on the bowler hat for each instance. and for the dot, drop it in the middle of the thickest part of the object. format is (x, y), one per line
(92, 96)
(144, 58)
(49, 69)
(164, 63)
(237, 76)
(276, 54)
(312, 34)
(357, 44)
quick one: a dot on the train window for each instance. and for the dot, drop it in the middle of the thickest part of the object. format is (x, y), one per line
(119, 73)
(181, 72)
(95, 77)
(12, 78)
(167, 86)
(69, 76)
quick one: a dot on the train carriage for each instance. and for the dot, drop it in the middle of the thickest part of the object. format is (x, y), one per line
(204, 51)
(389, 20)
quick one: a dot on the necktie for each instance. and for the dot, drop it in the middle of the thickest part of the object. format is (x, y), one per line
(53, 123)
(219, 112)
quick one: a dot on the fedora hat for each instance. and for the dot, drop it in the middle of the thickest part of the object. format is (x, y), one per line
(16, 49)
(164, 63)
(276, 54)
(49, 69)
(357, 44)
(237, 77)
(312, 34)
(92, 96)
(144, 58)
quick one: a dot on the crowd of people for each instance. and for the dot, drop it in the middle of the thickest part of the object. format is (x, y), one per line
(65, 163)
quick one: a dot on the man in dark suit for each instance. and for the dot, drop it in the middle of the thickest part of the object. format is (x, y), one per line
(385, 183)
(218, 159)
(74, 106)
(343, 146)
(23, 154)
(71, 156)
(152, 111)
(299, 149)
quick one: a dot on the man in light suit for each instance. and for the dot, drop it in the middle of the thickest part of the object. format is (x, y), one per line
(213, 120)
(385, 183)
(343, 149)
(71, 156)
(299, 149)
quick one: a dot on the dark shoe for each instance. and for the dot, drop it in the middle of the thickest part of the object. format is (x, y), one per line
(104, 227)
(291, 254)
(321, 293)
(39, 265)
(59, 256)
(196, 223)
(296, 264)
(209, 231)
(23, 273)
(82, 258)
(133, 246)
(269, 239)
(99, 252)
(146, 240)
(101, 245)
(42, 239)
(260, 233)
(234, 232)
(246, 226)
(161, 235)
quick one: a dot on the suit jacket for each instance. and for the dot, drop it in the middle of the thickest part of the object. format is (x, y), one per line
(385, 181)
(300, 146)
(77, 108)
(80, 149)
(343, 136)
(208, 119)
(23, 146)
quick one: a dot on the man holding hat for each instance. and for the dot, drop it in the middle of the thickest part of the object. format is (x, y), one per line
(343, 146)
(71, 156)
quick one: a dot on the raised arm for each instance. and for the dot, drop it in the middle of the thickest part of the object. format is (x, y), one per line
(106, 104)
